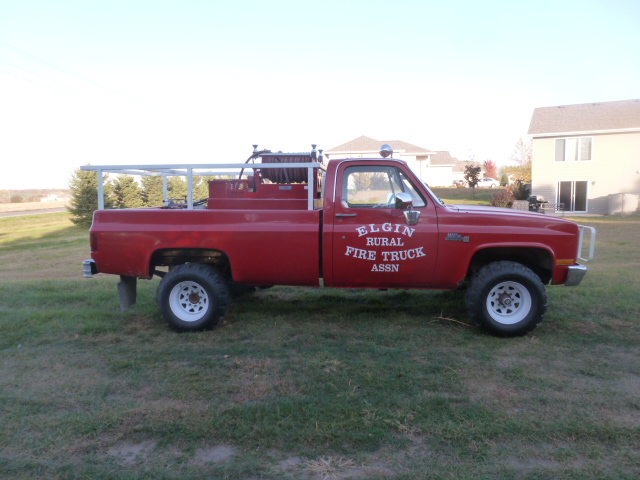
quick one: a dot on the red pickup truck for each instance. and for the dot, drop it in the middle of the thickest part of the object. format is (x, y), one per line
(354, 223)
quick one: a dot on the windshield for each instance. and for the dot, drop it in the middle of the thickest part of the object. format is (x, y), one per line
(426, 186)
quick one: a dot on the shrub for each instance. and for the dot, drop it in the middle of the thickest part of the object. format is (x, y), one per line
(501, 199)
(519, 190)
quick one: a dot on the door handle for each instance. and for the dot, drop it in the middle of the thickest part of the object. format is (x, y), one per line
(340, 215)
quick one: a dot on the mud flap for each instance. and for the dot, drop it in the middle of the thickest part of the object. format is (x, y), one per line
(127, 291)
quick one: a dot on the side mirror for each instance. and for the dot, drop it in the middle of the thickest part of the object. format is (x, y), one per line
(403, 201)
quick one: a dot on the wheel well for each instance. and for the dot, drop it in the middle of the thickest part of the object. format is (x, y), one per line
(540, 261)
(171, 257)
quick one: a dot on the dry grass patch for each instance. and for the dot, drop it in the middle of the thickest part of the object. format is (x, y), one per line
(333, 468)
(26, 206)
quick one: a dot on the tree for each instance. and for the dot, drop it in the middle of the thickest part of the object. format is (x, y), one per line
(177, 187)
(472, 176)
(490, 169)
(152, 193)
(84, 197)
(126, 192)
(521, 156)
(201, 187)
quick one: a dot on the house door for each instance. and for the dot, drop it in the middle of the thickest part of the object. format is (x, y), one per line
(573, 195)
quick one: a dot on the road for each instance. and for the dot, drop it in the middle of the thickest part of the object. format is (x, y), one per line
(31, 212)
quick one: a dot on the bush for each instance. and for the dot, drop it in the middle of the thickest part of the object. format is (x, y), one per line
(519, 190)
(501, 199)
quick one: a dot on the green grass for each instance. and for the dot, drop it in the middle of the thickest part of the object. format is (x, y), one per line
(453, 195)
(310, 383)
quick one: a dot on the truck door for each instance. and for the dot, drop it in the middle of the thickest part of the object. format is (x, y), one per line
(373, 246)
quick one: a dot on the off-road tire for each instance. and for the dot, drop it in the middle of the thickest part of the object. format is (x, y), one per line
(506, 299)
(193, 297)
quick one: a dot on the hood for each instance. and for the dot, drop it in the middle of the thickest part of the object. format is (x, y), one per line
(488, 210)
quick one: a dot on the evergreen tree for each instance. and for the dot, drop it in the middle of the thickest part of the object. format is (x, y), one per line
(177, 187)
(201, 187)
(152, 193)
(84, 196)
(127, 193)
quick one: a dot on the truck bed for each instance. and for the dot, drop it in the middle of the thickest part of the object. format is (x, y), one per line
(263, 247)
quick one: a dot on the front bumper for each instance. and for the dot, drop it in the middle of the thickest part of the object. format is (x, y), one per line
(575, 275)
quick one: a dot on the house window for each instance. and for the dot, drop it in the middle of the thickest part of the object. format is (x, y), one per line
(573, 149)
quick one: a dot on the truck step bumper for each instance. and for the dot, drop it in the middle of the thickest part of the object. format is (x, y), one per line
(575, 275)
(89, 268)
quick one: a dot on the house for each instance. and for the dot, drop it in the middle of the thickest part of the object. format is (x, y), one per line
(587, 156)
(436, 168)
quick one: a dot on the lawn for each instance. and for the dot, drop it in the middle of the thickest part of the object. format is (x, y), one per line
(453, 195)
(311, 383)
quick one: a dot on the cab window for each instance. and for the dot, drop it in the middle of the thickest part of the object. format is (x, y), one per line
(376, 187)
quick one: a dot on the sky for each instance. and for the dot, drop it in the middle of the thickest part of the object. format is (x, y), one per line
(146, 82)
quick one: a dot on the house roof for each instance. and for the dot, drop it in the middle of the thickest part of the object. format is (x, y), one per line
(443, 158)
(367, 144)
(623, 115)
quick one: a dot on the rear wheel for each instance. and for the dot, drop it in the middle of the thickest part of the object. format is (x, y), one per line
(193, 297)
(506, 299)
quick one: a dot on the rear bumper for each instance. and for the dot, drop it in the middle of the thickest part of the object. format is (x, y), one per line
(89, 268)
(575, 275)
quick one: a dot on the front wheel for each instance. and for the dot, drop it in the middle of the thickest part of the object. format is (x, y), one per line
(193, 297)
(506, 299)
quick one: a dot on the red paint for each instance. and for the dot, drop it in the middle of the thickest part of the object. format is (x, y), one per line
(270, 238)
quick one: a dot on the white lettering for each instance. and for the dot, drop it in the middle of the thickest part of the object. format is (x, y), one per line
(360, 253)
(408, 231)
(403, 254)
(386, 227)
(385, 267)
